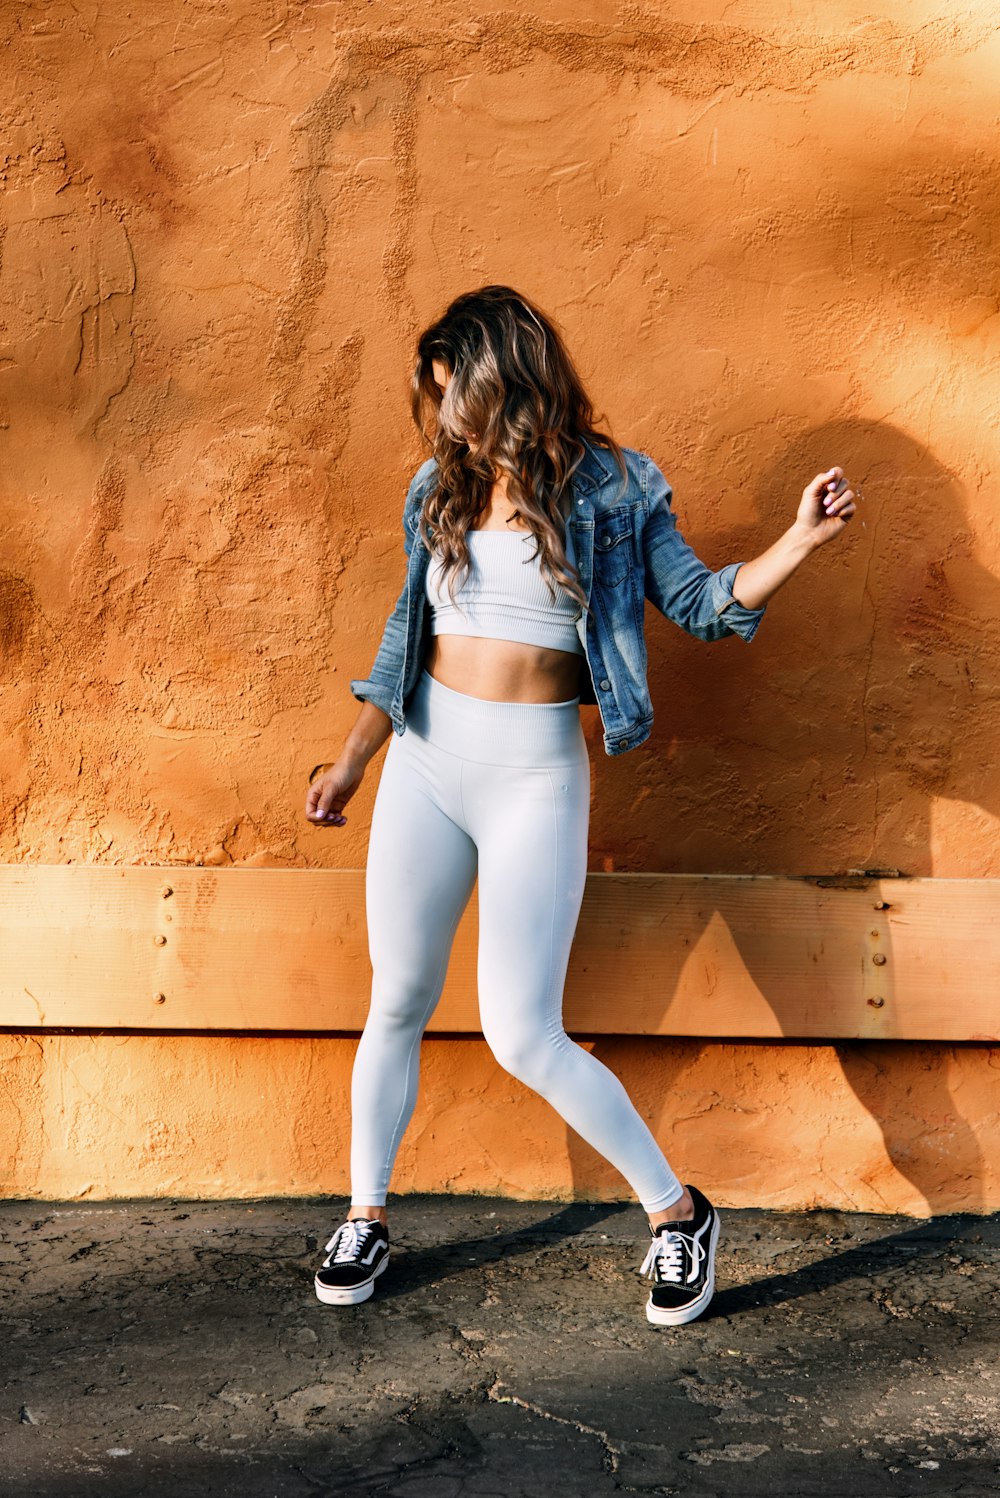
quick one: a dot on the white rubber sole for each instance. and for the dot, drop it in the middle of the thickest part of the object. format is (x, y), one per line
(682, 1314)
(332, 1296)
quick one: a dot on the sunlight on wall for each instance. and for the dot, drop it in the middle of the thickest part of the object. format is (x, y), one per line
(768, 231)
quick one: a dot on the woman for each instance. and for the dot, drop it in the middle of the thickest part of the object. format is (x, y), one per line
(531, 540)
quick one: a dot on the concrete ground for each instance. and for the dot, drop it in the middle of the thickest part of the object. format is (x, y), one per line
(177, 1348)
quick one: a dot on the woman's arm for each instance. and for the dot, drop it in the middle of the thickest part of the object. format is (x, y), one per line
(712, 604)
(329, 794)
(677, 581)
(827, 505)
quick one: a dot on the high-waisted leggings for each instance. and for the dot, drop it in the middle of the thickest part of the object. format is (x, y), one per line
(500, 790)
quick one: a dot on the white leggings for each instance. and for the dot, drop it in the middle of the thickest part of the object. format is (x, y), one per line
(502, 789)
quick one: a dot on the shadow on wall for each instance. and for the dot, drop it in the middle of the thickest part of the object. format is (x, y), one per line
(896, 681)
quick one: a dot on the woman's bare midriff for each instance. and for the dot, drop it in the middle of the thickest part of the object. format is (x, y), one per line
(503, 670)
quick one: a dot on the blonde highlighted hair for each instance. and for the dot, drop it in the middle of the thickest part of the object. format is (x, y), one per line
(514, 406)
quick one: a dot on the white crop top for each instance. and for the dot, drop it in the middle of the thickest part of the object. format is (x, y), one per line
(505, 596)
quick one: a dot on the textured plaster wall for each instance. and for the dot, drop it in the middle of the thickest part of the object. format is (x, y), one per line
(885, 1127)
(769, 231)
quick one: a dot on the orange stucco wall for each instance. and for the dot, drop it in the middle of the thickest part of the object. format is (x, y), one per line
(868, 1127)
(768, 231)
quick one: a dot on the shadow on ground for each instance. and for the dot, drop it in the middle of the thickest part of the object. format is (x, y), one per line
(177, 1348)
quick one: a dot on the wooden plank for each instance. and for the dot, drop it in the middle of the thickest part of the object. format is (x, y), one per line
(269, 949)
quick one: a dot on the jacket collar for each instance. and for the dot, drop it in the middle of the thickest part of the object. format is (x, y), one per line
(597, 467)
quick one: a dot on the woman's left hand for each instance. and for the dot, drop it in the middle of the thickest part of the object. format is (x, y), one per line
(827, 505)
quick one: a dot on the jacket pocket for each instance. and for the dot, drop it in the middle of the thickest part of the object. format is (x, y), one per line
(612, 548)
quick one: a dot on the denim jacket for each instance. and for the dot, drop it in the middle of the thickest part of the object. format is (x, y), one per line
(626, 547)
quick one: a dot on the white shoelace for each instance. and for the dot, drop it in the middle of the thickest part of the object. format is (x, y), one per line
(667, 1250)
(348, 1240)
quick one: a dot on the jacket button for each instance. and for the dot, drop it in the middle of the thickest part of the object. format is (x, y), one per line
(623, 743)
(605, 686)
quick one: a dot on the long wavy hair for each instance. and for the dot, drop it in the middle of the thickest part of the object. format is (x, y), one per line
(514, 406)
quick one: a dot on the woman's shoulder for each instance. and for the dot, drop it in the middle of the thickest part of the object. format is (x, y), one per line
(638, 462)
(420, 485)
(423, 478)
(611, 484)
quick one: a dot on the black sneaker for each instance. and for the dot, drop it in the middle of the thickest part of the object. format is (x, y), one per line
(355, 1257)
(681, 1264)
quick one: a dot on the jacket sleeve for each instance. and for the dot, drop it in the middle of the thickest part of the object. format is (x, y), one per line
(678, 583)
(380, 684)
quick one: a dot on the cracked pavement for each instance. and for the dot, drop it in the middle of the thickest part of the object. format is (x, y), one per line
(177, 1348)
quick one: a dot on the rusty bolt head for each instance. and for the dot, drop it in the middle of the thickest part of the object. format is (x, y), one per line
(159, 941)
(881, 904)
(879, 959)
(159, 998)
(877, 1003)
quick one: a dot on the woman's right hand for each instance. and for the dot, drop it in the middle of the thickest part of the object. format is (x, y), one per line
(331, 791)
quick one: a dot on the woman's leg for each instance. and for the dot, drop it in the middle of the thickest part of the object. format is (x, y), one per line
(420, 873)
(531, 829)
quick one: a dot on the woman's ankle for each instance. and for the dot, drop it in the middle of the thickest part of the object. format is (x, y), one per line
(679, 1211)
(373, 1214)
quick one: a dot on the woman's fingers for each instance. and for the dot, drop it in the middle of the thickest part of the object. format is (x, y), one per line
(832, 490)
(828, 497)
(835, 503)
(324, 804)
(329, 817)
(329, 811)
(825, 484)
